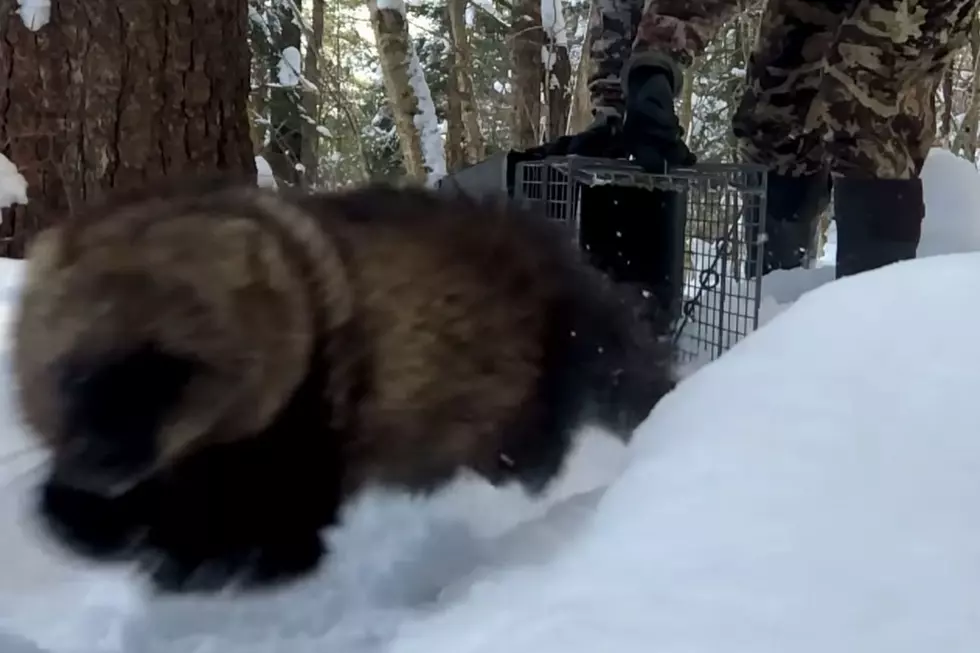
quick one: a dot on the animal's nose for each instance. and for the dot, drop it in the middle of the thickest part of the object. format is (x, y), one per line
(94, 466)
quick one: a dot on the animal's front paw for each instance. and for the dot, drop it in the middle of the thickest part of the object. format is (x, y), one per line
(89, 524)
(190, 569)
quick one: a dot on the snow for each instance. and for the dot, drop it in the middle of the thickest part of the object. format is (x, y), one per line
(13, 186)
(823, 502)
(427, 122)
(952, 225)
(289, 67)
(553, 21)
(35, 13)
(264, 174)
(812, 490)
(488, 7)
(394, 5)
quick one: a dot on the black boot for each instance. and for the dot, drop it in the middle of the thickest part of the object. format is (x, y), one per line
(793, 206)
(601, 139)
(879, 221)
(651, 130)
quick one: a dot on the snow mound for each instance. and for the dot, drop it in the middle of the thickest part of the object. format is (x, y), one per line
(952, 196)
(952, 225)
(822, 503)
(811, 490)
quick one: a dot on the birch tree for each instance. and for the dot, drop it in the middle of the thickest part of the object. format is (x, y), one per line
(462, 64)
(408, 93)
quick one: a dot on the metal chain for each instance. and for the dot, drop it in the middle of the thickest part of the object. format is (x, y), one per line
(708, 279)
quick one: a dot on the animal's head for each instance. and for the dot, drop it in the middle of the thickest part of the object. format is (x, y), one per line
(148, 331)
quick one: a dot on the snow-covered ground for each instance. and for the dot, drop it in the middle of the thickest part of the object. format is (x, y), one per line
(815, 489)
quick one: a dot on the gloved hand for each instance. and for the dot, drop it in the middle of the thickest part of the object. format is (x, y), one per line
(651, 131)
(603, 139)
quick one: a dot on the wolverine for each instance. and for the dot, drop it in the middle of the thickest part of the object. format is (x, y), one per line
(216, 368)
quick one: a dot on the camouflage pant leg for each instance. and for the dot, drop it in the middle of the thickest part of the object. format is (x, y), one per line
(783, 80)
(612, 26)
(681, 29)
(878, 93)
(622, 31)
(848, 84)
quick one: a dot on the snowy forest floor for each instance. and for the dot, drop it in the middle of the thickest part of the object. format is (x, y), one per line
(813, 490)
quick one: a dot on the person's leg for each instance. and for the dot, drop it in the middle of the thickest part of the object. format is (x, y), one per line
(612, 28)
(669, 35)
(878, 100)
(638, 54)
(783, 79)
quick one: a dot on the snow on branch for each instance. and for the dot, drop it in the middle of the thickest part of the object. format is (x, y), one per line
(289, 67)
(13, 186)
(487, 7)
(35, 13)
(553, 22)
(433, 150)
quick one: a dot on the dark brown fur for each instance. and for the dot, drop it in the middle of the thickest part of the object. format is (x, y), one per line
(277, 354)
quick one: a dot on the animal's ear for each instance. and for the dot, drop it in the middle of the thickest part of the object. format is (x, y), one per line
(248, 254)
(45, 243)
(44, 251)
(237, 247)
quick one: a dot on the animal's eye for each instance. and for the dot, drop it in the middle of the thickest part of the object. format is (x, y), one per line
(124, 394)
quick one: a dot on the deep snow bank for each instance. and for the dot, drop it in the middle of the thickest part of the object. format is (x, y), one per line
(780, 500)
(811, 491)
(952, 225)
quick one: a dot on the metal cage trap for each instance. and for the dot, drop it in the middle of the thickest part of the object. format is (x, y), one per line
(689, 238)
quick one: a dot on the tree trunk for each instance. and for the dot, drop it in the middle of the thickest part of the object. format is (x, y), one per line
(580, 112)
(557, 70)
(260, 40)
(118, 94)
(285, 149)
(311, 99)
(971, 121)
(946, 122)
(526, 43)
(685, 112)
(423, 152)
(455, 156)
(462, 64)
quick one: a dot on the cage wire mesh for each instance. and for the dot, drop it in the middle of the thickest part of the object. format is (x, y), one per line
(708, 220)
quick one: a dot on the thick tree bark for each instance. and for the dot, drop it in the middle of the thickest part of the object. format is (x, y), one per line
(115, 94)
(462, 64)
(527, 40)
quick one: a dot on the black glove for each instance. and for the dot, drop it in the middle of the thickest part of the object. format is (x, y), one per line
(651, 131)
(602, 139)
